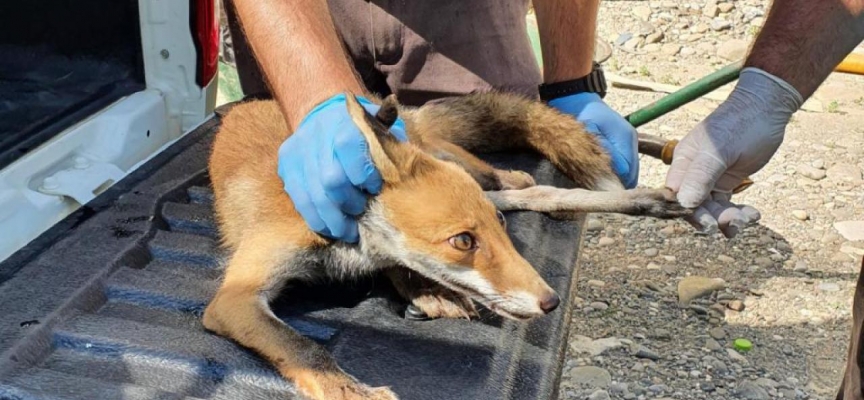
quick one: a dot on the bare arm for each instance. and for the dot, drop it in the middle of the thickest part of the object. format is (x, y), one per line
(299, 51)
(566, 37)
(803, 40)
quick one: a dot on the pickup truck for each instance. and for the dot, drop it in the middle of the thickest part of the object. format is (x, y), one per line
(109, 251)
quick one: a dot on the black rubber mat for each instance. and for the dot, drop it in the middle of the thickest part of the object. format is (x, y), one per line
(107, 306)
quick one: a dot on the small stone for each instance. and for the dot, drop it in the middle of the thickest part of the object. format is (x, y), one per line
(829, 287)
(652, 252)
(701, 28)
(736, 356)
(591, 376)
(725, 259)
(764, 262)
(715, 364)
(717, 333)
(642, 12)
(651, 48)
(844, 173)
(707, 386)
(766, 383)
(850, 230)
(713, 345)
(710, 10)
(751, 391)
(818, 163)
(606, 241)
(655, 37)
(623, 38)
(656, 389)
(594, 225)
(706, 48)
(735, 305)
(693, 287)
(800, 266)
(808, 171)
(687, 51)
(596, 283)
(653, 267)
(720, 24)
(732, 50)
(599, 306)
(638, 367)
(800, 214)
(634, 43)
(662, 334)
(618, 389)
(599, 395)
(725, 7)
(644, 352)
(698, 309)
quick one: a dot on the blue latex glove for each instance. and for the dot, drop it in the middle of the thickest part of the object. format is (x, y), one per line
(327, 170)
(616, 135)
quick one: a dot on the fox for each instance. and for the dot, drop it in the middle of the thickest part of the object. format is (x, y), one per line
(442, 256)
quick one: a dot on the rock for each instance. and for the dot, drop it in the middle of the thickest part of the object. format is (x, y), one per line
(599, 395)
(701, 28)
(693, 287)
(844, 173)
(599, 306)
(707, 387)
(656, 389)
(643, 28)
(652, 252)
(687, 51)
(800, 215)
(642, 12)
(644, 352)
(623, 38)
(736, 356)
(829, 287)
(651, 48)
(634, 43)
(818, 163)
(725, 7)
(756, 292)
(732, 50)
(736, 305)
(717, 333)
(596, 283)
(618, 389)
(751, 391)
(591, 377)
(652, 267)
(715, 364)
(706, 48)
(725, 259)
(850, 230)
(720, 24)
(800, 266)
(764, 262)
(713, 345)
(811, 172)
(584, 344)
(766, 383)
(594, 225)
(606, 241)
(711, 10)
(655, 37)
(698, 309)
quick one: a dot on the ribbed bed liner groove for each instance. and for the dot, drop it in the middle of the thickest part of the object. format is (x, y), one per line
(107, 306)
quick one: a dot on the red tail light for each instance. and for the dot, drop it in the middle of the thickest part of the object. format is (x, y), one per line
(205, 34)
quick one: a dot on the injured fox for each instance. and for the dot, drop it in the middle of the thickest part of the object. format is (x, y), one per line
(440, 255)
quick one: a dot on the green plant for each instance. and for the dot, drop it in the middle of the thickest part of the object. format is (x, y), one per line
(669, 80)
(643, 71)
(833, 107)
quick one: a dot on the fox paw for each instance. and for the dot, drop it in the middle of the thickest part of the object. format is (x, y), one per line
(342, 387)
(514, 179)
(440, 305)
(658, 203)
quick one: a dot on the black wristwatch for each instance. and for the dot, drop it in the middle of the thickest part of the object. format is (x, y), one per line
(594, 82)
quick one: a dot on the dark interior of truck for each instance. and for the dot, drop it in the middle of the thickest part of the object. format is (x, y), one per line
(62, 61)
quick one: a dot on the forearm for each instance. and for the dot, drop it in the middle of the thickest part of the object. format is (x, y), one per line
(299, 52)
(567, 31)
(803, 40)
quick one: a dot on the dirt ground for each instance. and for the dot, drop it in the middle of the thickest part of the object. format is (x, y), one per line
(793, 273)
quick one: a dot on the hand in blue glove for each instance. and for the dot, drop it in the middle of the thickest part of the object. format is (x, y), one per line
(616, 135)
(326, 168)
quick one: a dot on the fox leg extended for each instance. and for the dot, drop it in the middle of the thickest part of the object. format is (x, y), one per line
(240, 311)
(659, 203)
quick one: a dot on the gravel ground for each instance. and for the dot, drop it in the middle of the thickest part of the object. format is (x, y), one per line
(787, 282)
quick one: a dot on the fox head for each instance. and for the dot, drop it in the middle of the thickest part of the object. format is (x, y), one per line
(433, 218)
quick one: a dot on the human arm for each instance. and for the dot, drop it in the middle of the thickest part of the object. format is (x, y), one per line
(800, 45)
(324, 164)
(567, 34)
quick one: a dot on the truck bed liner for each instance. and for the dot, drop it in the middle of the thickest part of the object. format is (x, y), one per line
(106, 305)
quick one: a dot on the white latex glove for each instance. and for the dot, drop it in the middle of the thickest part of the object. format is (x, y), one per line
(732, 143)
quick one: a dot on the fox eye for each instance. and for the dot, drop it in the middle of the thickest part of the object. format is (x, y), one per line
(463, 241)
(501, 219)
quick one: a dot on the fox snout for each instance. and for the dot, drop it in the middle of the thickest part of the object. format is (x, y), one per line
(549, 302)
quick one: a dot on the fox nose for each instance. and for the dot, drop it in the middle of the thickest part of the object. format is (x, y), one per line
(549, 303)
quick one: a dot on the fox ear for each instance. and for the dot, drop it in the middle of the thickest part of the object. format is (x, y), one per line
(387, 153)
